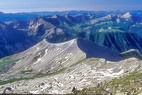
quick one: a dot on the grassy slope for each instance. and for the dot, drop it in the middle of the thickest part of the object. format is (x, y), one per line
(35, 76)
(5, 61)
(129, 84)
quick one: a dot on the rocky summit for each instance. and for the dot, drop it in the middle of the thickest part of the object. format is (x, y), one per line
(47, 57)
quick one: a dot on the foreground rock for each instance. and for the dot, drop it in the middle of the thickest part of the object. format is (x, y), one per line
(87, 73)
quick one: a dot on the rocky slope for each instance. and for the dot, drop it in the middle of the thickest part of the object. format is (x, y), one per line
(47, 57)
(128, 84)
(49, 68)
(85, 74)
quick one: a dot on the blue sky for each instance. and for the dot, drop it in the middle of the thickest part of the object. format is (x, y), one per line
(61, 5)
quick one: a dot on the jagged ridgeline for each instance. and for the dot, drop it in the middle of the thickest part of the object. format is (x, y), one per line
(118, 31)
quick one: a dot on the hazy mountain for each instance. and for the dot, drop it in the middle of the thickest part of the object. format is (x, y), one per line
(12, 40)
(30, 15)
(16, 16)
(119, 32)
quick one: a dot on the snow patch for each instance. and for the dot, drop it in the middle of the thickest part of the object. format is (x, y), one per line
(35, 92)
(38, 60)
(37, 48)
(118, 20)
(45, 52)
(127, 15)
(109, 73)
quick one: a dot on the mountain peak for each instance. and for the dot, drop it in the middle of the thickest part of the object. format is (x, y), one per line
(127, 15)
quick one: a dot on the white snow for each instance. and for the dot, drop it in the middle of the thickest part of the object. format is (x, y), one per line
(37, 48)
(38, 60)
(45, 52)
(127, 15)
(108, 73)
(118, 20)
(35, 92)
(55, 92)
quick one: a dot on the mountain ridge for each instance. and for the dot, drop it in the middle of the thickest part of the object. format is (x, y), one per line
(60, 28)
(46, 57)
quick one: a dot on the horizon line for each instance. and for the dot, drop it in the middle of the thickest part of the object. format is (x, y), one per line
(66, 11)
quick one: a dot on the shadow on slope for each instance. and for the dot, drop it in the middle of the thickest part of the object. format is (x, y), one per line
(94, 50)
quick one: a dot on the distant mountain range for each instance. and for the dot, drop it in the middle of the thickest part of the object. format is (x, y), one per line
(31, 15)
(119, 31)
